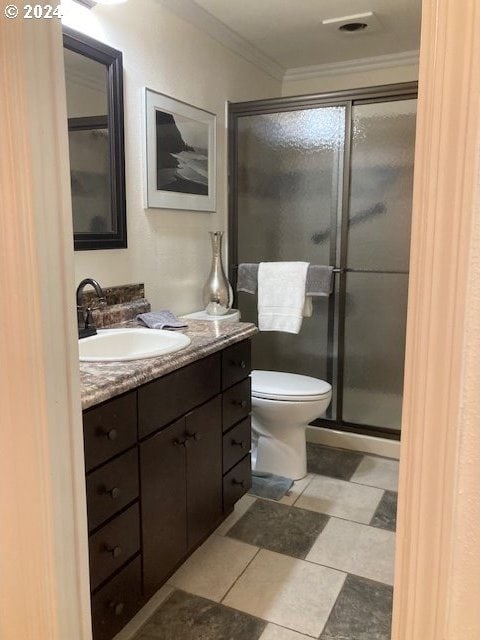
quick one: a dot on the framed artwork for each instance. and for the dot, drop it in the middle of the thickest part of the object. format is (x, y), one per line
(180, 154)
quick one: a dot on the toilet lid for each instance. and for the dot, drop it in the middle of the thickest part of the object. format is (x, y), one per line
(276, 385)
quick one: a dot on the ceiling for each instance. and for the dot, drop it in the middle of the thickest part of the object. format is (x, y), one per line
(290, 33)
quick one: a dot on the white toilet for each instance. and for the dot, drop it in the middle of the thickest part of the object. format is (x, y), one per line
(283, 404)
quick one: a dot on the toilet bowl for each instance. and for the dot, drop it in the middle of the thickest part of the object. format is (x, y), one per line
(283, 404)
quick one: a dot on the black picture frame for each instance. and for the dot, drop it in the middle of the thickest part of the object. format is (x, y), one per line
(112, 59)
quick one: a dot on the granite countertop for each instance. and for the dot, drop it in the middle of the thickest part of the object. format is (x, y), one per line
(103, 380)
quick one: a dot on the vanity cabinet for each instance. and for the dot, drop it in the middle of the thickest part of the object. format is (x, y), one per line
(181, 478)
(165, 465)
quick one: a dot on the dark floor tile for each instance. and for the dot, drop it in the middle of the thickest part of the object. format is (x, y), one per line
(385, 517)
(336, 463)
(363, 611)
(187, 617)
(279, 528)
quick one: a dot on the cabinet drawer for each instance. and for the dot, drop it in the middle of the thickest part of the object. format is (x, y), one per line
(111, 488)
(236, 443)
(170, 397)
(236, 363)
(113, 545)
(237, 482)
(237, 403)
(109, 429)
(117, 602)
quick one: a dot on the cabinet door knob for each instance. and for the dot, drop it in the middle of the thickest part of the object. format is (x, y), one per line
(243, 364)
(193, 436)
(179, 443)
(117, 608)
(239, 443)
(115, 551)
(240, 483)
(240, 403)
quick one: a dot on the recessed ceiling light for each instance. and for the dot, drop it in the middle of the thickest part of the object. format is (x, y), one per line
(353, 26)
(357, 23)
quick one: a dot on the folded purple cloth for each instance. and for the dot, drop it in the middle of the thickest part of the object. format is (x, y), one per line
(163, 319)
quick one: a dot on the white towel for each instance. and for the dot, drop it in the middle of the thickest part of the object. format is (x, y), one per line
(281, 295)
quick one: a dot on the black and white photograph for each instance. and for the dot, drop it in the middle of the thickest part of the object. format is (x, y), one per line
(180, 154)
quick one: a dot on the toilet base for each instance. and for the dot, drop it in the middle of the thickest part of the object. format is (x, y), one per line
(285, 455)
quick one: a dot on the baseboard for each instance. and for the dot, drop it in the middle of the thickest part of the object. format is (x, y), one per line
(354, 441)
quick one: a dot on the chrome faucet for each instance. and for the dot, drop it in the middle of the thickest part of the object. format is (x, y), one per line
(86, 326)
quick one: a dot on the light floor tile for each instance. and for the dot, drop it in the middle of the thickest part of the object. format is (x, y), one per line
(214, 567)
(297, 489)
(241, 507)
(377, 472)
(286, 591)
(356, 548)
(339, 498)
(273, 632)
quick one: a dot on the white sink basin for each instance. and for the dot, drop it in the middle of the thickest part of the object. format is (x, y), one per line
(111, 345)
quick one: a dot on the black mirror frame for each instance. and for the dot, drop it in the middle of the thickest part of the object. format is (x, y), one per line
(86, 46)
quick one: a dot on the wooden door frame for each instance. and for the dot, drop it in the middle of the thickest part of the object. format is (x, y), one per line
(437, 573)
(44, 584)
(43, 548)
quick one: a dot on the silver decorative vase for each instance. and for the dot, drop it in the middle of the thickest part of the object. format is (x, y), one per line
(217, 292)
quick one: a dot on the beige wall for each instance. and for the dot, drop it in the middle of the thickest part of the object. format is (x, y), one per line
(168, 250)
(354, 80)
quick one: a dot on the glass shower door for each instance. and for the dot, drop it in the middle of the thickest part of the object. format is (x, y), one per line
(289, 185)
(377, 256)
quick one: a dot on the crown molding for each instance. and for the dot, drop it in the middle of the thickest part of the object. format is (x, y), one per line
(193, 13)
(352, 66)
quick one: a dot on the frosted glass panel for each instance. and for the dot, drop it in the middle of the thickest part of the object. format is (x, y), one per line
(383, 143)
(289, 181)
(375, 321)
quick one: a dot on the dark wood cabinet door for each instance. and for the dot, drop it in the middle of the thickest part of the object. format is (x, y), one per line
(164, 507)
(204, 469)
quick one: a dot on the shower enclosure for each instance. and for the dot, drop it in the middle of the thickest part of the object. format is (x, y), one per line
(328, 179)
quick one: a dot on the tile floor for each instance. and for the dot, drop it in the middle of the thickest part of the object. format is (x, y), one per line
(317, 564)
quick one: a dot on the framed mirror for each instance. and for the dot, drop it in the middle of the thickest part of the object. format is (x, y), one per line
(94, 85)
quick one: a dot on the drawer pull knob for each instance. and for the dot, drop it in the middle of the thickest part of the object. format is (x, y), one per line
(117, 608)
(115, 551)
(111, 434)
(239, 443)
(240, 403)
(114, 492)
(243, 364)
(179, 443)
(240, 483)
